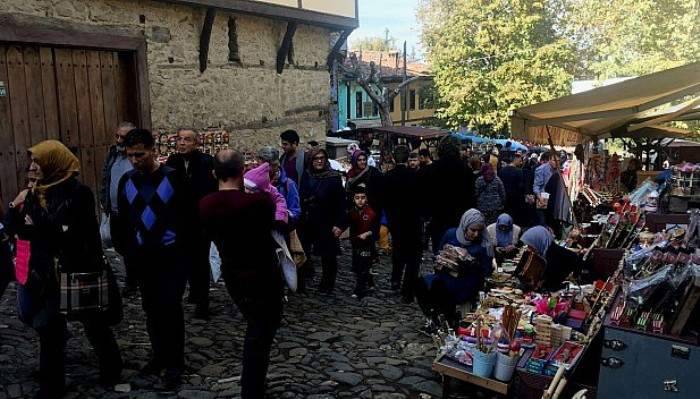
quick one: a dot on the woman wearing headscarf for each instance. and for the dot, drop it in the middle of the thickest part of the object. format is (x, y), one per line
(323, 217)
(57, 231)
(560, 262)
(439, 293)
(504, 236)
(363, 173)
(490, 193)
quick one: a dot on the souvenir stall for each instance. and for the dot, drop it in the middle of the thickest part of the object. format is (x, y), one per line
(520, 337)
(652, 334)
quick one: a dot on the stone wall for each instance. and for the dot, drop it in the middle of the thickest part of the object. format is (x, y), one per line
(248, 98)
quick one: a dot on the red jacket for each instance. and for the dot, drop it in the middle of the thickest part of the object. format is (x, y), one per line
(362, 221)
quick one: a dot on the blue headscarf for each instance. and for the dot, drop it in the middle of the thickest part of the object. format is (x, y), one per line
(504, 238)
(539, 238)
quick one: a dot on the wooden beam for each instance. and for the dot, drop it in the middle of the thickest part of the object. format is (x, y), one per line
(286, 48)
(205, 38)
(278, 12)
(336, 48)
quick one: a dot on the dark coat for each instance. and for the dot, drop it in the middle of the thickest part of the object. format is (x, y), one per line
(197, 177)
(447, 188)
(466, 287)
(66, 230)
(514, 182)
(402, 204)
(373, 179)
(323, 207)
(560, 263)
(197, 180)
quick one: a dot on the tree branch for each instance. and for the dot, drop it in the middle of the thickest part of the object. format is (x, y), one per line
(398, 88)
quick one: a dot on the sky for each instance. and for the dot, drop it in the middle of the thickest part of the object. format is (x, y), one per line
(397, 15)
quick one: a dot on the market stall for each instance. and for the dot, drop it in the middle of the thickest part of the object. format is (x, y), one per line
(520, 335)
(652, 334)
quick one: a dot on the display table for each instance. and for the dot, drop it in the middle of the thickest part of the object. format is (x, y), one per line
(449, 368)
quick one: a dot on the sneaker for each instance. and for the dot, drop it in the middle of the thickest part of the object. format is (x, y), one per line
(172, 379)
(353, 296)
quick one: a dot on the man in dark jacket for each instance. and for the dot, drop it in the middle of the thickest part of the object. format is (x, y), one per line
(448, 190)
(514, 183)
(402, 206)
(239, 224)
(195, 169)
(150, 204)
(293, 161)
(116, 165)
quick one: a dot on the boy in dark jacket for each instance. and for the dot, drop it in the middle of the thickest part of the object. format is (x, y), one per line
(364, 228)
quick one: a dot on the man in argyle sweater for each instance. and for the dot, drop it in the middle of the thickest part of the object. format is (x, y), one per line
(150, 199)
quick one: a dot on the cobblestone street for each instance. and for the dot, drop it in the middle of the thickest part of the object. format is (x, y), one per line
(328, 347)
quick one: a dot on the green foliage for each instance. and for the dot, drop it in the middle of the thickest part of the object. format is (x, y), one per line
(376, 43)
(618, 38)
(490, 57)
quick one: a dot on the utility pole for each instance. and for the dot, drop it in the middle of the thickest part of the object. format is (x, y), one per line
(404, 95)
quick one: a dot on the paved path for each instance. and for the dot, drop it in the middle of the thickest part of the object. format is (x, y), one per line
(328, 347)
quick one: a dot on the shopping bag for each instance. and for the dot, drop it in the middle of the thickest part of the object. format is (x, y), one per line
(215, 262)
(24, 249)
(286, 261)
(105, 232)
(296, 249)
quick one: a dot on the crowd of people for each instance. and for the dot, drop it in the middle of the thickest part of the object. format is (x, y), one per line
(163, 218)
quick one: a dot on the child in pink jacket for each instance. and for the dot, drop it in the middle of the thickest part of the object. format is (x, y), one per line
(258, 179)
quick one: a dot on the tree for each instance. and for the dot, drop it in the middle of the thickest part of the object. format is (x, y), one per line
(376, 43)
(371, 81)
(617, 38)
(490, 57)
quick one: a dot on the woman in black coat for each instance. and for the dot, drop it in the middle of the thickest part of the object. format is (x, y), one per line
(55, 225)
(323, 215)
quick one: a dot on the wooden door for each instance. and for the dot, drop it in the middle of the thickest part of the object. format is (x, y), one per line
(77, 96)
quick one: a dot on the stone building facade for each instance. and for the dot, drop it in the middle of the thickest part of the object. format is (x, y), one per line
(247, 96)
(72, 69)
